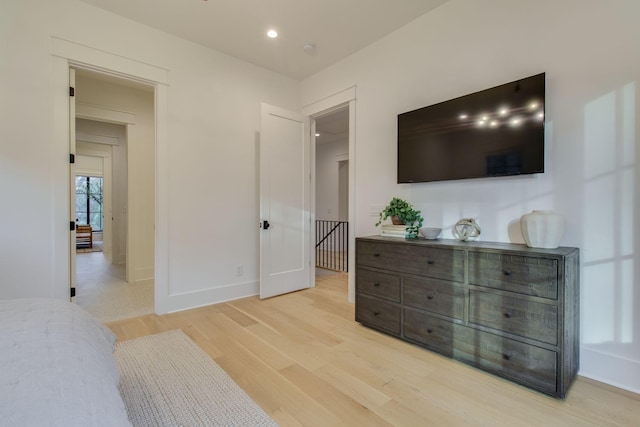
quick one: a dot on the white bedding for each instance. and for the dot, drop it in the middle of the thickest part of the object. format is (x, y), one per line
(56, 367)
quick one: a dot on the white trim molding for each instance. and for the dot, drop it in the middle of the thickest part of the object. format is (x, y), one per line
(342, 157)
(101, 60)
(330, 103)
(95, 138)
(104, 114)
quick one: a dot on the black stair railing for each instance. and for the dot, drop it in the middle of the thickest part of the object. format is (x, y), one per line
(332, 249)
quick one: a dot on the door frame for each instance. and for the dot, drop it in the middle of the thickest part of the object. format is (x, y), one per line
(65, 54)
(324, 106)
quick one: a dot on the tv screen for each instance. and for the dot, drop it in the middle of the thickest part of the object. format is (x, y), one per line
(494, 132)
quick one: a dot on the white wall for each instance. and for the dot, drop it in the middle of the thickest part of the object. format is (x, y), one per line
(328, 179)
(589, 51)
(213, 121)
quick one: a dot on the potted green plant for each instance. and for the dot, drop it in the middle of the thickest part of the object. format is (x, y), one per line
(405, 214)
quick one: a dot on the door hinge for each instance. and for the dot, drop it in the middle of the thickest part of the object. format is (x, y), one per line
(72, 225)
(72, 158)
(72, 91)
(72, 292)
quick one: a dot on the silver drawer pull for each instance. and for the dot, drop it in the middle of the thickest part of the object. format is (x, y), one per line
(507, 315)
(507, 272)
(430, 296)
(506, 357)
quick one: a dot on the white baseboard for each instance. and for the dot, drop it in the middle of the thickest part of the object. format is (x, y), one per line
(142, 274)
(610, 369)
(189, 300)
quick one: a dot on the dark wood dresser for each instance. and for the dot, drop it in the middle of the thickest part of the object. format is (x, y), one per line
(505, 308)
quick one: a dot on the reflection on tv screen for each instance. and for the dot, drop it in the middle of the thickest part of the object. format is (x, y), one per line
(494, 132)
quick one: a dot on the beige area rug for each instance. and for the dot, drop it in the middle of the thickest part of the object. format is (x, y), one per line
(96, 247)
(167, 380)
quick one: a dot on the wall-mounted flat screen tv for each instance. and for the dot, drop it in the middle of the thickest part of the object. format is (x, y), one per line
(494, 132)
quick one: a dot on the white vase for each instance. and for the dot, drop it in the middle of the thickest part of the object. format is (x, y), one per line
(542, 229)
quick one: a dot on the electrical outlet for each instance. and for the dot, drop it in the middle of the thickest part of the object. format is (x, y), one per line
(239, 270)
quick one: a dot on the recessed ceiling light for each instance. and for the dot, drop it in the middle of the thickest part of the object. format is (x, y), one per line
(272, 34)
(317, 134)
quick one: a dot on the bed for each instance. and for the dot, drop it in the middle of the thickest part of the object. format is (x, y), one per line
(57, 367)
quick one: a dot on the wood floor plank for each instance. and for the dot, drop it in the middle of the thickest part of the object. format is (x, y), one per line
(351, 412)
(305, 361)
(273, 313)
(266, 352)
(357, 389)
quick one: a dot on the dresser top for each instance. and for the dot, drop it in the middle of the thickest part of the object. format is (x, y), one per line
(456, 244)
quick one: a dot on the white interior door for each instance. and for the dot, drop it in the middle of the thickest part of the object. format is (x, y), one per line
(72, 181)
(285, 210)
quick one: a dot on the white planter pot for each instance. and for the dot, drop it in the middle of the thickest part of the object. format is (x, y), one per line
(542, 229)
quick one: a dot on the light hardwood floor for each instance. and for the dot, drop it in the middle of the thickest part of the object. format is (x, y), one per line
(306, 362)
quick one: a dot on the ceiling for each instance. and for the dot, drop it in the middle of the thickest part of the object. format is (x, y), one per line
(335, 28)
(333, 127)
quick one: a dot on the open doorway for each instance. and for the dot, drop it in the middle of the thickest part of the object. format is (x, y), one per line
(115, 127)
(332, 192)
(342, 100)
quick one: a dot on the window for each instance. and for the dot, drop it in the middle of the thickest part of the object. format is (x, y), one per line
(89, 201)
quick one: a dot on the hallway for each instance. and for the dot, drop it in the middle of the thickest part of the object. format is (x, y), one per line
(101, 289)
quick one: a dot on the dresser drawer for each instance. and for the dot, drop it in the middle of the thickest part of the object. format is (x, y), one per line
(440, 263)
(432, 332)
(527, 364)
(521, 274)
(378, 314)
(382, 285)
(518, 316)
(434, 296)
